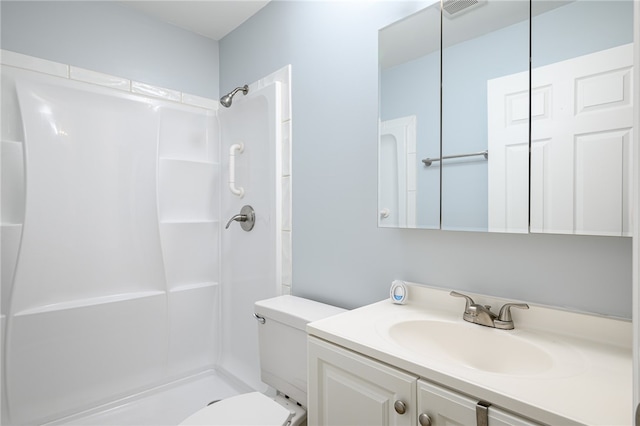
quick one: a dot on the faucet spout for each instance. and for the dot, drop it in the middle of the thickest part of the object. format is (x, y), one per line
(476, 313)
(479, 314)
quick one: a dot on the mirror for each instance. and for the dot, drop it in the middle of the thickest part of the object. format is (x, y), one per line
(470, 157)
(582, 117)
(485, 109)
(409, 70)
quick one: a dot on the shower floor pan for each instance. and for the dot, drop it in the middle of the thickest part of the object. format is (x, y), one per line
(166, 405)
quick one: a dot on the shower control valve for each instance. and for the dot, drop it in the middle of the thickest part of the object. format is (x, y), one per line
(246, 217)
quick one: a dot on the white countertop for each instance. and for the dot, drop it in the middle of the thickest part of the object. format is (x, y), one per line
(591, 384)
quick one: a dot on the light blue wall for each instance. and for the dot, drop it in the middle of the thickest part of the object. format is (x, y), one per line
(595, 26)
(466, 69)
(113, 39)
(339, 254)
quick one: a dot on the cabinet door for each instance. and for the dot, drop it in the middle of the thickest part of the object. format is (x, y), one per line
(448, 408)
(351, 390)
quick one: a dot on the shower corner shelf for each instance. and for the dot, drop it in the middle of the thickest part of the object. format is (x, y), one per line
(192, 286)
(11, 225)
(187, 160)
(11, 141)
(188, 221)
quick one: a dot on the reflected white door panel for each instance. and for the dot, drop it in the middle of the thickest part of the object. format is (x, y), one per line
(581, 132)
(581, 139)
(508, 130)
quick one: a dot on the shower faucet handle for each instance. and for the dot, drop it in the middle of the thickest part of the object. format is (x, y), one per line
(238, 218)
(246, 217)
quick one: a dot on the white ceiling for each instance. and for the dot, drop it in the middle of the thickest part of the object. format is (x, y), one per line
(211, 18)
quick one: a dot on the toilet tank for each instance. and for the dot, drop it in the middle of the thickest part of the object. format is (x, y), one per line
(283, 341)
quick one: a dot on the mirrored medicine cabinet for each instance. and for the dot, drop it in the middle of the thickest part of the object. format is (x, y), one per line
(507, 116)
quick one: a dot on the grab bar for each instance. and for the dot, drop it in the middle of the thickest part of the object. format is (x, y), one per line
(232, 169)
(428, 161)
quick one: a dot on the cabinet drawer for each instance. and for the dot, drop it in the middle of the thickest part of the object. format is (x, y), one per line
(448, 408)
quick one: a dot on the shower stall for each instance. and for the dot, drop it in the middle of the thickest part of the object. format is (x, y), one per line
(118, 277)
(397, 173)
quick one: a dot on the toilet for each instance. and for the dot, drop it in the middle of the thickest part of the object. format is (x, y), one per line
(283, 366)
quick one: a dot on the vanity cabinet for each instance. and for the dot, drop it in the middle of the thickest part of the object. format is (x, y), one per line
(346, 388)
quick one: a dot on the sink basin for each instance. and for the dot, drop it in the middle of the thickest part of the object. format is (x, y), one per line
(475, 346)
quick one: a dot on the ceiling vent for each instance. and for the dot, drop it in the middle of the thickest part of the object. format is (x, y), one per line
(454, 8)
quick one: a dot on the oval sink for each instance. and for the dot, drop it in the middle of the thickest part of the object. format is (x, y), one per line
(475, 346)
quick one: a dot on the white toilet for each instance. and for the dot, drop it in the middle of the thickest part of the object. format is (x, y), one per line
(283, 365)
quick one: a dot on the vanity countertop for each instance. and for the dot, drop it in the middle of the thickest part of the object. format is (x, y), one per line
(589, 379)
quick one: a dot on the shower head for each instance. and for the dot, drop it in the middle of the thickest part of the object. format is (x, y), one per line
(225, 101)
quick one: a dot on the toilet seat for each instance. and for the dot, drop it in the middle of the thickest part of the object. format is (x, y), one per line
(252, 408)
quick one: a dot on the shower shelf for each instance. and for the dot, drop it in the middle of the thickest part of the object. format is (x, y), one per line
(193, 286)
(86, 302)
(11, 141)
(195, 205)
(11, 225)
(186, 160)
(188, 221)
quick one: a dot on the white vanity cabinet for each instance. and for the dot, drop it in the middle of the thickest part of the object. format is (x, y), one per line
(349, 389)
(425, 355)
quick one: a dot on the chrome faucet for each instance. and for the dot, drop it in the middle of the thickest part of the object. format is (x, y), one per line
(481, 314)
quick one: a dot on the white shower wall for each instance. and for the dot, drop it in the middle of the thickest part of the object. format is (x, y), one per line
(257, 262)
(112, 261)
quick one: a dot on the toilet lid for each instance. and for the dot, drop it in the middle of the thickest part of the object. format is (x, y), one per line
(248, 409)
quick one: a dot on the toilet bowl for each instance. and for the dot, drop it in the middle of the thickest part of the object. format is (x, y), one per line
(252, 408)
(283, 366)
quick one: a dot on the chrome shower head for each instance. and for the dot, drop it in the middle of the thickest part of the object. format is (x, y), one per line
(225, 101)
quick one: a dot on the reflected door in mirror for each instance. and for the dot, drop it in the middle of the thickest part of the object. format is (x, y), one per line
(582, 119)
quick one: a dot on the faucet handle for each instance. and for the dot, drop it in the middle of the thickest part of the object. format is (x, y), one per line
(504, 320)
(505, 311)
(469, 301)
